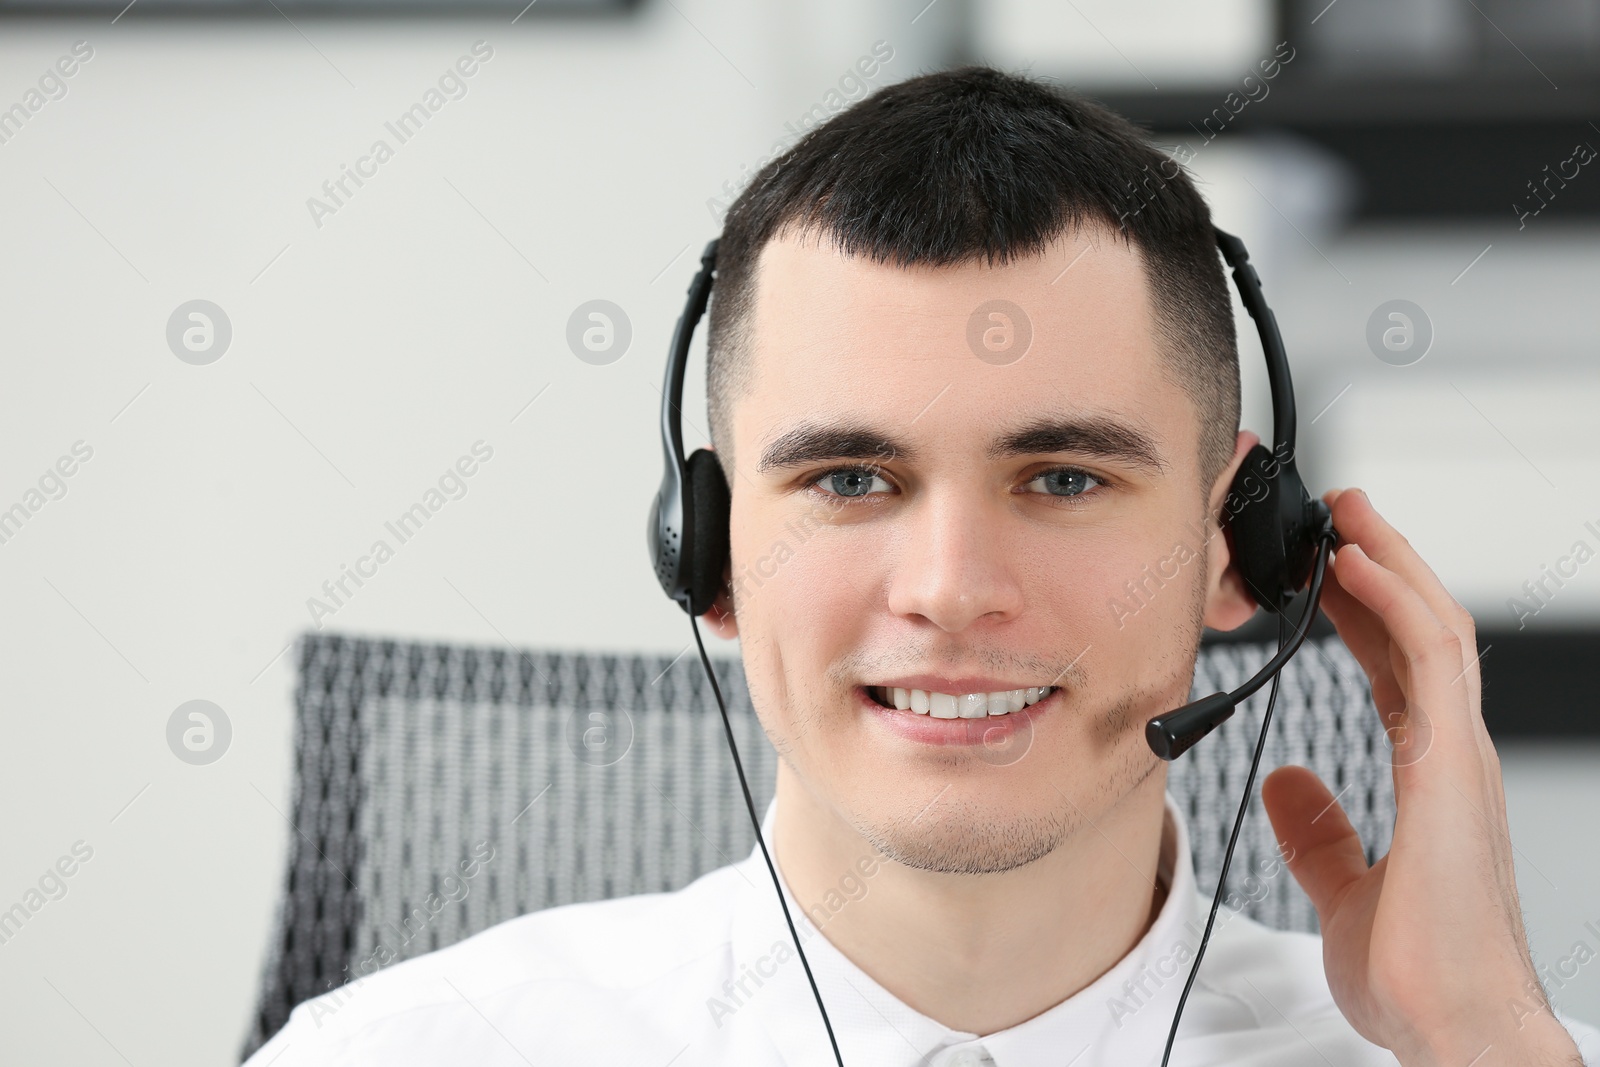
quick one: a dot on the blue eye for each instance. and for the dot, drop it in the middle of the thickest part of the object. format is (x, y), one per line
(850, 482)
(1064, 482)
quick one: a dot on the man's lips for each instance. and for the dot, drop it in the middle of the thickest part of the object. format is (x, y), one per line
(972, 683)
(953, 703)
(994, 732)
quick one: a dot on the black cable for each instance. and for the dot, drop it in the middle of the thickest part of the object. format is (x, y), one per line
(750, 803)
(1312, 599)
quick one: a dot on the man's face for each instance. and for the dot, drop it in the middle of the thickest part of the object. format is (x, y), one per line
(901, 519)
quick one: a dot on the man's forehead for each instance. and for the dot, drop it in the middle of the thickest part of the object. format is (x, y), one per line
(1083, 300)
(842, 346)
(1088, 255)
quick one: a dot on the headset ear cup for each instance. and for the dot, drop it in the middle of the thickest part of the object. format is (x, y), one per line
(1257, 529)
(706, 550)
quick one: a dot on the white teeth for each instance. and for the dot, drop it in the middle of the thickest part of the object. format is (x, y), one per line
(962, 705)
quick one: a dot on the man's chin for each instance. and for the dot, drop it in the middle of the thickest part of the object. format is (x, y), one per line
(965, 836)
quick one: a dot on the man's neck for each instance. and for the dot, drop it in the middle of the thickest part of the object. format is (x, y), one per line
(980, 953)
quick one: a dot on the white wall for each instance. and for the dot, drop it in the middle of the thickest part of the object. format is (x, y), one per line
(367, 355)
(1552, 792)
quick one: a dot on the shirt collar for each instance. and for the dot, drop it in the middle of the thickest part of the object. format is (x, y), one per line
(1122, 1017)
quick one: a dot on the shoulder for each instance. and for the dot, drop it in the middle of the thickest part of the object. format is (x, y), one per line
(1270, 996)
(1245, 956)
(1586, 1036)
(534, 973)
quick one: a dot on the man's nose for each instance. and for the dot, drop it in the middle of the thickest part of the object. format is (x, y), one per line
(953, 566)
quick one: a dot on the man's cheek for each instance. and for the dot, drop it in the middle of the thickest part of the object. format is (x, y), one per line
(1136, 587)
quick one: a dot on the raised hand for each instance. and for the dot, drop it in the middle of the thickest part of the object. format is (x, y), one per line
(1425, 950)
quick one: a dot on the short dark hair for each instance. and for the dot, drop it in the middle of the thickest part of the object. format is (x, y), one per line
(945, 168)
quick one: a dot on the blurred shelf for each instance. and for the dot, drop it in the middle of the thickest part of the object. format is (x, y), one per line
(1419, 148)
(1538, 684)
(1298, 99)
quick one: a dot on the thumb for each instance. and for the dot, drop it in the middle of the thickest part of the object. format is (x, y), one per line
(1322, 849)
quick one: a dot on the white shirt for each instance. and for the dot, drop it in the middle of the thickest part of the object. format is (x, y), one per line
(653, 981)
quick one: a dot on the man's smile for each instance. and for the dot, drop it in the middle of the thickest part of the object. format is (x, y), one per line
(932, 717)
(957, 701)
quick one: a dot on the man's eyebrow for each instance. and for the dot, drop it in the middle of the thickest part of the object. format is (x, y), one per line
(1092, 435)
(812, 443)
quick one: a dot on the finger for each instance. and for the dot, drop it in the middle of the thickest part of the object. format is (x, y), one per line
(1431, 650)
(1364, 633)
(1322, 849)
(1361, 631)
(1358, 521)
(1408, 727)
(1360, 628)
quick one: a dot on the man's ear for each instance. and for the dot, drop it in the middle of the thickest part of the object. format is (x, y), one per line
(720, 619)
(1229, 604)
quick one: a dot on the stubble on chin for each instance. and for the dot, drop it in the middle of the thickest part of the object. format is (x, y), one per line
(963, 839)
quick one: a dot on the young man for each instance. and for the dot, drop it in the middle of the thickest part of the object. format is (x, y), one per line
(977, 483)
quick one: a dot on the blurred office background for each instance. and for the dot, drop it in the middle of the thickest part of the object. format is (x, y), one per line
(1434, 152)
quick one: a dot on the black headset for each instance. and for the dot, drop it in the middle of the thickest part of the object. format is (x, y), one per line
(1279, 536)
